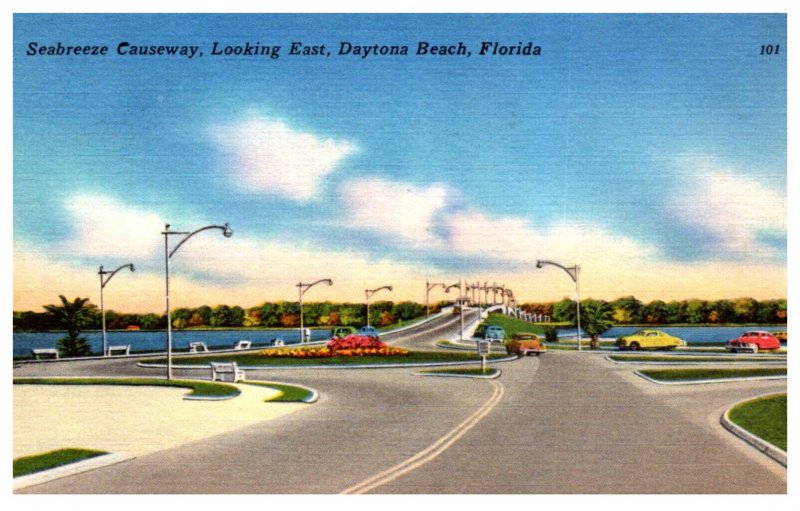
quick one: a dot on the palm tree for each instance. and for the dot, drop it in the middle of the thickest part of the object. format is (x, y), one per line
(73, 316)
(596, 319)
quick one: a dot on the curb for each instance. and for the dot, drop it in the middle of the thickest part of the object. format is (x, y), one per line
(70, 469)
(762, 445)
(372, 366)
(716, 380)
(698, 362)
(475, 377)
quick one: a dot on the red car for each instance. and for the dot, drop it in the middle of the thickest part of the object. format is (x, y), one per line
(754, 341)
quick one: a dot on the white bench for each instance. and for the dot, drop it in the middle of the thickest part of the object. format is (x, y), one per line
(220, 369)
(121, 349)
(45, 352)
(242, 345)
(198, 347)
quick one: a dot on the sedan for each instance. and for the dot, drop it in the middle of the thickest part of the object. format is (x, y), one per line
(754, 341)
(644, 339)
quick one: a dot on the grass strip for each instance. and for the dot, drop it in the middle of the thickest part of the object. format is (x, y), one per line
(686, 358)
(711, 374)
(253, 359)
(467, 371)
(198, 388)
(289, 393)
(39, 462)
(763, 417)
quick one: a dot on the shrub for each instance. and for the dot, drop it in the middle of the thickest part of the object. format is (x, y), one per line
(550, 334)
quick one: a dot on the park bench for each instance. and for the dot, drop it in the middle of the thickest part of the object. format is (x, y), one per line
(242, 345)
(220, 369)
(45, 352)
(198, 347)
(120, 349)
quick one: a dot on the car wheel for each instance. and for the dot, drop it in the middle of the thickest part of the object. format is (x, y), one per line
(755, 348)
(634, 346)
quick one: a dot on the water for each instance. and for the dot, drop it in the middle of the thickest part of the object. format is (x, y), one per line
(690, 334)
(140, 341)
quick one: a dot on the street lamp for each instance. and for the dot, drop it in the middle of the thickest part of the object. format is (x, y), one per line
(460, 304)
(428, 287)
(103, 281)
(574, 273)
(226, 231)
(301, 289)
(370, 292)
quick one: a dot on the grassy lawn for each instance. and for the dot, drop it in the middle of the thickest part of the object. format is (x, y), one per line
(765, 418)
(688, 358)
(36, 463)
(711, 374)
(513, 325)
(289, 393)
(199, 388)
(252, 359)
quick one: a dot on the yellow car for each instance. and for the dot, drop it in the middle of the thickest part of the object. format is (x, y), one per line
(644, 339)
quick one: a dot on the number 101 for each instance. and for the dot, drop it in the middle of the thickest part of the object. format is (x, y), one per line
(768, 49)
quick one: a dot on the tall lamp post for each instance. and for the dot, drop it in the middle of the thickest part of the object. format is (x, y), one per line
(226, 231)
(103, 281)
(301, 289)
(370, 292)
(428, 287)
(574, 273)
(460, 304)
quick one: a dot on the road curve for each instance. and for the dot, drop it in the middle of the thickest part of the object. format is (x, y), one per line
(566, 423)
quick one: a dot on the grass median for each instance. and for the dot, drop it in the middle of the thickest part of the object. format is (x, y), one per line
(711, 374)
(198, 388)
(764, 417)
(693, 359)
(37, 463)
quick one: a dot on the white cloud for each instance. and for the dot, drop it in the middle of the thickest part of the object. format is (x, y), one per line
(108, 229)
(408, 213)
(734, 209)
(267, 156)
(514, 239)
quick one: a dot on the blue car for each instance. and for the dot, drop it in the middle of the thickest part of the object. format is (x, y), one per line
(369, 331)
(494, 333)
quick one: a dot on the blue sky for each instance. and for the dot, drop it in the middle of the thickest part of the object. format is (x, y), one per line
(649, 149)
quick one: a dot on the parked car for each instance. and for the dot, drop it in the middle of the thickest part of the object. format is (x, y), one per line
(754, 341)
(494, 333)
(781, 336)
(343, 331)
(524, 343)
(368, 331)
(645, 339)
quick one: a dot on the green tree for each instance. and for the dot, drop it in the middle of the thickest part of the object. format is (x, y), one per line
(655, 313)
(745, 309)
(695, 311)
(151, 321)
(73, 316)
(220, 316)
(676, 312)
(596, 318)
(564, 310)
(627, 310)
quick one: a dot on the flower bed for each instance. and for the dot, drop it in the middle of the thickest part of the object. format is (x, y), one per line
(350, 346)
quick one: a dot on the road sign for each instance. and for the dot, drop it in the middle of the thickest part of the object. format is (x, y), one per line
(483, 350)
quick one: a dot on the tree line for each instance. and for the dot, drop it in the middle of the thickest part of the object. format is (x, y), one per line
(630, 311)
(281, 314)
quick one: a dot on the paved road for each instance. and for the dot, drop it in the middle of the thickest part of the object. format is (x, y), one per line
(561, 423)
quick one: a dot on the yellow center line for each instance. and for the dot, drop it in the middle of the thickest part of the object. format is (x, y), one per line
(431, 452)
